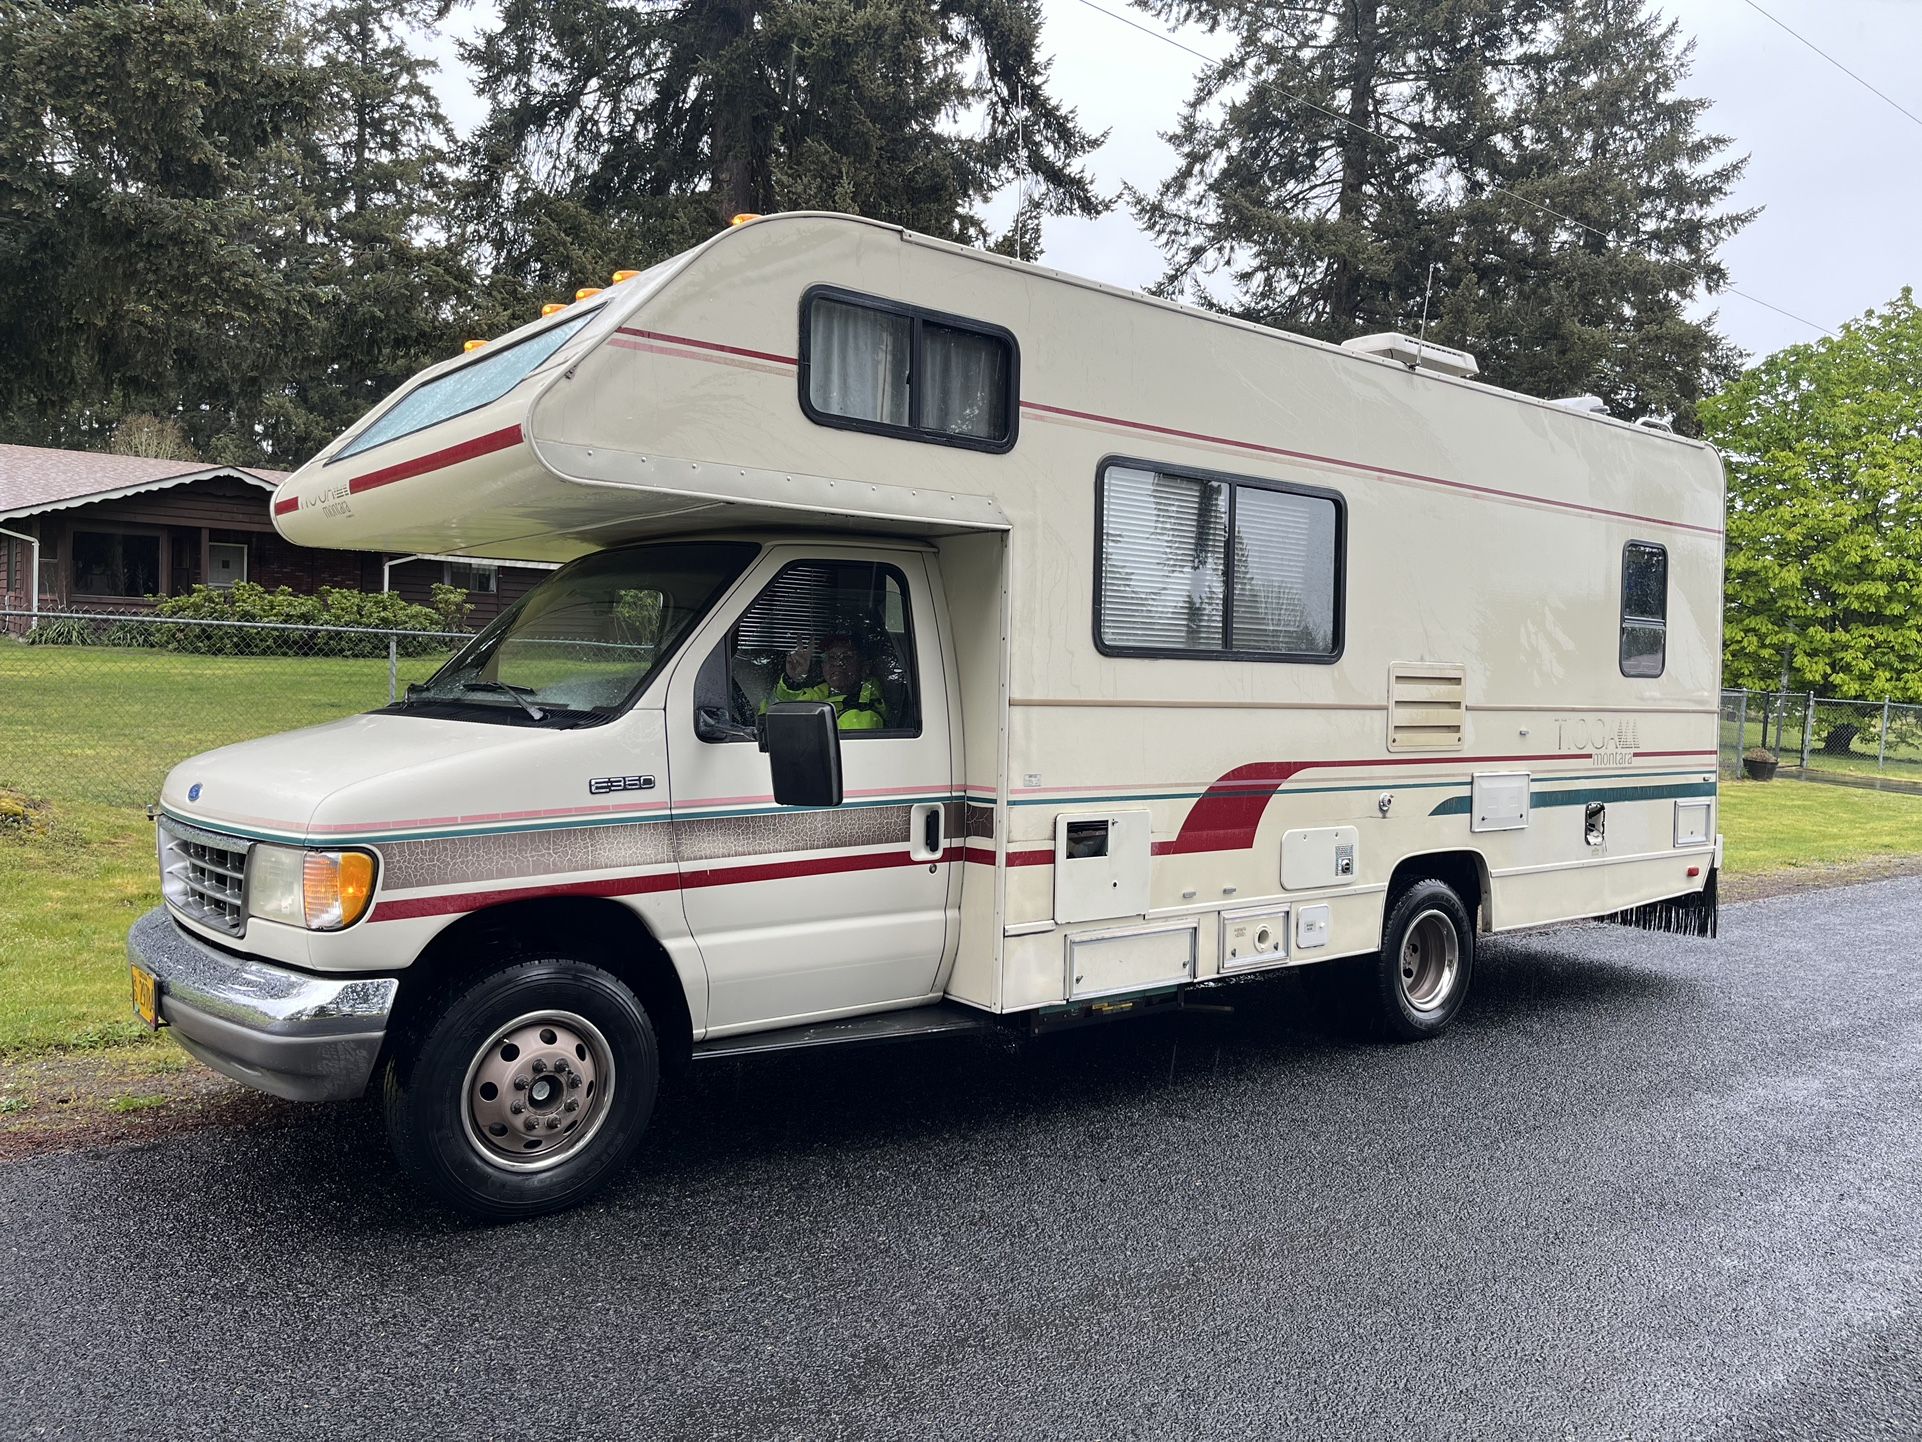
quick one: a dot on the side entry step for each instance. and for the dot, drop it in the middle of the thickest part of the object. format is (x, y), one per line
(941, 1019)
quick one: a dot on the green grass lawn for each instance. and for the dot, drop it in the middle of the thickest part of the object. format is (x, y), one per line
(1777, 825)
(104, 725)
(93, 730)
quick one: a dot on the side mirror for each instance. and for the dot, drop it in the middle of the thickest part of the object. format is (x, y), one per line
(803, 744)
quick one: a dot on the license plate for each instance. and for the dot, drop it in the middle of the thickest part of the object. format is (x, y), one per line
(146, 997)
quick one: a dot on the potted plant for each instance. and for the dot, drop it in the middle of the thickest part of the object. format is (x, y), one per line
(1760, 763)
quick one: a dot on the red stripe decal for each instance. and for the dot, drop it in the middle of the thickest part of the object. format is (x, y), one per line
(493, 441)
(453, 455)
(786, 360)
(1499, 494)
(406, 909)
(1226, 816)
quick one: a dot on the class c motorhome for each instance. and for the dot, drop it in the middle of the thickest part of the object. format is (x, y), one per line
(942, 641)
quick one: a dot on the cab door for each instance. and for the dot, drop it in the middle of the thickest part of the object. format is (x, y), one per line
(808, 912)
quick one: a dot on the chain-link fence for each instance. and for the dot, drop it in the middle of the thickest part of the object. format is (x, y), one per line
(1820, 737)
(97, 707)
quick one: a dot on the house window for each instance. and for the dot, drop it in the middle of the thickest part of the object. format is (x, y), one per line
(226, 563)
(110, 563)
(473, 578)
(1196, 564)
(1644, 609)
(872, 365)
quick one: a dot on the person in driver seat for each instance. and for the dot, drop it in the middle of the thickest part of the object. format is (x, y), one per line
(857, 699)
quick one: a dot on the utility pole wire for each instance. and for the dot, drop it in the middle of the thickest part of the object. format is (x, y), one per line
(1535, 205)
(1880, 95)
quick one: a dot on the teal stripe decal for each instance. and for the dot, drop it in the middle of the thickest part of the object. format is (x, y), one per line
(1383, 783)
(1459, 805)
(371, 837)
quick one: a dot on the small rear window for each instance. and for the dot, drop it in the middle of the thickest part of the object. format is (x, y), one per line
(464, 388)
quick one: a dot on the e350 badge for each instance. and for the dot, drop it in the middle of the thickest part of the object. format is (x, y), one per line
(604, 785)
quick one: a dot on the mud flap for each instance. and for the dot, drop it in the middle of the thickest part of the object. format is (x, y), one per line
(1690, 915)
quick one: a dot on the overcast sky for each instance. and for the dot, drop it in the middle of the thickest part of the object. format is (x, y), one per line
(1835, 167)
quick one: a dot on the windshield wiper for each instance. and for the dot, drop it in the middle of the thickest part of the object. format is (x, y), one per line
(519, 693)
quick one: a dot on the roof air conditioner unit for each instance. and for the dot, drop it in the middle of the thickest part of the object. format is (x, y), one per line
(1587, 405)
(1415, 354)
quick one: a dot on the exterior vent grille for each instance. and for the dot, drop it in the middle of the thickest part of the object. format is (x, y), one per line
(1425, 706)
(203, 876)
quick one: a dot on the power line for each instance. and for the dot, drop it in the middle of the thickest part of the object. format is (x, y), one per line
(1535, 205)
(1886, 99)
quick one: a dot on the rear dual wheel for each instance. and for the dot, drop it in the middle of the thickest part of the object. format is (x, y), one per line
(523, 1091)
(1420, 978)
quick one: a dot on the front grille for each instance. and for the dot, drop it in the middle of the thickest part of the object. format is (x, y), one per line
(203, 875)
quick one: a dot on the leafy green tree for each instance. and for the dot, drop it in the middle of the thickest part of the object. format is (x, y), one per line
(622, 131)
(1347, 154)
(1823, 444)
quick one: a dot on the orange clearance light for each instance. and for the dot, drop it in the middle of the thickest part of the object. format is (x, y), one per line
(552, 306)
(624, 275)
(585, 291)
(472, 344)
(743, 218)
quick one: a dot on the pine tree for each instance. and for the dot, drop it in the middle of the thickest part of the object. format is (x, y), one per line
(1307, 177)
(1596, 304)
(152, 256)
(1346, 153)
(393, 284)
(623, 132)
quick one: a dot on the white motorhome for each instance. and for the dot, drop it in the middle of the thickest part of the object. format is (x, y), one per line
(943, 641)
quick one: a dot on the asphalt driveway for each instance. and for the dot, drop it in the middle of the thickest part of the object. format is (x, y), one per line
(1649, 1187)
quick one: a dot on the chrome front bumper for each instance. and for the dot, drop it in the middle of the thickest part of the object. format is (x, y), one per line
(307, 1038)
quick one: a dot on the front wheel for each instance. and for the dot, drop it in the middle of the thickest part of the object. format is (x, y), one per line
(1427, 958)
(521, 1092)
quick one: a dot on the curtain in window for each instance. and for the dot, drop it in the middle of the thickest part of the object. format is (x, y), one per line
(858, 362)
(1163, 549)
(1284, 572)
(963, 383)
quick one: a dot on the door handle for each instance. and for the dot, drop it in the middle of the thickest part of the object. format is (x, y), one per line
(924, 832)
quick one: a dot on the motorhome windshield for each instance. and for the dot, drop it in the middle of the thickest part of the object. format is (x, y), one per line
(581, 646)
(464, 388)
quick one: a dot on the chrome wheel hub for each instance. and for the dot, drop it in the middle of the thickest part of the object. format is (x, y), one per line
(537, 1090)
(1430, 962)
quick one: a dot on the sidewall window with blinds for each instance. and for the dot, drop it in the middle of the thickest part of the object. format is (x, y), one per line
(1190, 563)
(892, 369)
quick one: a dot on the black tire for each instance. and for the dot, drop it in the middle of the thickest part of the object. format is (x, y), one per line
(1420, 978)
(432, 1102)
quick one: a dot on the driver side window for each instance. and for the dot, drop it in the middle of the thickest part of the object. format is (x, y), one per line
(835, 631)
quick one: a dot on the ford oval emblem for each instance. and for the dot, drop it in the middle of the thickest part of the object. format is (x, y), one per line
(193, 792)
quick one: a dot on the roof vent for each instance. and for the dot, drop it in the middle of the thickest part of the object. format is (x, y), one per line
(1416, 354)
(1655, 423)
(1587, 405)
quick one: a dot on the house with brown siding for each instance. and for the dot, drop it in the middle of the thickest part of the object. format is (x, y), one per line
(113, 532)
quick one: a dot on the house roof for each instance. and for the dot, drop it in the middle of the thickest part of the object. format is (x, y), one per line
(38, 478)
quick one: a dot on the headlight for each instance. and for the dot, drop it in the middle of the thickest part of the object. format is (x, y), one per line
(320, 890)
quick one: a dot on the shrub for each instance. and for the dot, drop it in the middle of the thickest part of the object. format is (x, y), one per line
(332, 606)
(61, 633)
